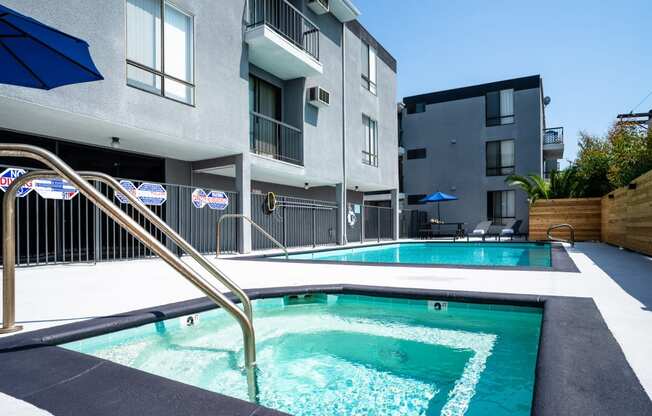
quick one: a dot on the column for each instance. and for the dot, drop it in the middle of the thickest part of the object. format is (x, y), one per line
(243, 186)
(340, 198)
(395, 214)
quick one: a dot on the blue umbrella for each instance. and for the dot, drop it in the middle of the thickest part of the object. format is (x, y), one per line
(37, 56)
(438, 197)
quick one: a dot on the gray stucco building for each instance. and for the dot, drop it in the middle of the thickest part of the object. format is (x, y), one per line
(466, 141)
(219, 95)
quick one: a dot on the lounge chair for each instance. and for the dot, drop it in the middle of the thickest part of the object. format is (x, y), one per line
(480, 230)
(509, 229)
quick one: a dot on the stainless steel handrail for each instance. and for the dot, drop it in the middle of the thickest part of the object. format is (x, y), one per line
(125, 221)
(557, 226)
(159, 224)
(258, 227)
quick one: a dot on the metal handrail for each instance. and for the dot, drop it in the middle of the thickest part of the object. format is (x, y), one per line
(258, 227)
(125, 221)
(557, 226)
(156, 221)
(275, 121)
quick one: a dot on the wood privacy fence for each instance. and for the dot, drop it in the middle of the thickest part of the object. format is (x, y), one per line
(622, 218)
(627, 215)
(582, 213)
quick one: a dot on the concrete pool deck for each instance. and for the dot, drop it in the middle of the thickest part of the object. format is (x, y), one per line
(620, 283)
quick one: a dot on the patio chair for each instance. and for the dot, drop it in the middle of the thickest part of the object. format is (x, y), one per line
(509, 229)
(480, 230)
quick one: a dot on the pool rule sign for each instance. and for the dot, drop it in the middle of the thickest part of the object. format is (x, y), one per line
(8, 176)
(152, 193)
(54, 189)
(217, 200)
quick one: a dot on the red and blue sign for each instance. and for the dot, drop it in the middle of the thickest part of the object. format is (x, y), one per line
(152, 193)
(217, 200)
(129, 187)
(198, 198)
(54, 189)
(214, 199)
(8, 176)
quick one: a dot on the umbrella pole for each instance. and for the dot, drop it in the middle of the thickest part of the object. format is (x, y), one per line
(438, 220)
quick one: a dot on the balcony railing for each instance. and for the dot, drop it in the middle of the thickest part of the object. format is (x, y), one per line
(287, 21)
(553, 136)
(275, 139)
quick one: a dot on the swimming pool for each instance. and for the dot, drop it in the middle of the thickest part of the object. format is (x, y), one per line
(436, 253)
(348, 354)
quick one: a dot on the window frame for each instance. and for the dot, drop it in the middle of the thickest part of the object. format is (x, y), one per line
(367, 83)
(161, 73)
(490, 207)
(370, 158)
(498, 121)
(499, 169)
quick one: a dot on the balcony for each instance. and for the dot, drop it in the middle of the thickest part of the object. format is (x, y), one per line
(553, 143)
(282, 40)
(274, 139)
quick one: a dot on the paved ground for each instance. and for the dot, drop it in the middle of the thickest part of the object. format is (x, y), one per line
(620, 282)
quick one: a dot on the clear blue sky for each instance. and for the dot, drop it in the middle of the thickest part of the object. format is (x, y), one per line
(595, 57)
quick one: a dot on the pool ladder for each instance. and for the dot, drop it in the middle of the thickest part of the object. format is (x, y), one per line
(557, 226)
(60, 169)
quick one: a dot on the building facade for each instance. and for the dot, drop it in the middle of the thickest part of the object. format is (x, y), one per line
(466, 141)
(249, 96)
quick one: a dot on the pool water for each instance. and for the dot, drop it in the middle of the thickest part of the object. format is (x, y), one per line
(465, 254)
(349, 355)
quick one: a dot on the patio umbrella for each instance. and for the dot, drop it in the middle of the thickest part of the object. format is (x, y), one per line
(37, 56)
(438, 197)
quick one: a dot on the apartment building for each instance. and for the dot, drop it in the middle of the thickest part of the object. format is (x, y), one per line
(466, 141)
(290, 96)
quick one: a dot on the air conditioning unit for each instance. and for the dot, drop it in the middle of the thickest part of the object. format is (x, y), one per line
(319, 97)
(318, 6)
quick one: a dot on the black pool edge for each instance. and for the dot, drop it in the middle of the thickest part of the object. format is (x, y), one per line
(561, 261)
(580, 367)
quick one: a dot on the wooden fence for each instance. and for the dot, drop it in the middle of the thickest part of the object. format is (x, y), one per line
(622, 218)
(582, 213)
(627, 216)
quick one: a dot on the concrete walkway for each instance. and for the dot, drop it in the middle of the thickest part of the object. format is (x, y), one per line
(620, 282)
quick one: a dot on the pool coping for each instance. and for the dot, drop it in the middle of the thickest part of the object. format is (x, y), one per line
(561, 261)
(580, 367)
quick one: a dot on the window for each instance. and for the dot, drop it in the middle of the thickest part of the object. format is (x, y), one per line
(370, 149)
(500, 158)
(416, 154)
(369, 70)
(160, 57)
(500, 206)
(500, 107)
(414, 108)
(416, 199)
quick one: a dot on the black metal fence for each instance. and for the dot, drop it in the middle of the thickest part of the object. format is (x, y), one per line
(410, 221)
(377, 222)
(287, 21)
(50, 231)
(295, 222)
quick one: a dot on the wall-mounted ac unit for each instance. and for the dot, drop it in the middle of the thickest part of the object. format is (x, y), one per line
(319, 97)
(318, 6)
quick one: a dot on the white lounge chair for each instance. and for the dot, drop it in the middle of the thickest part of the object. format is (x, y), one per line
(480, 230)
(509, 229)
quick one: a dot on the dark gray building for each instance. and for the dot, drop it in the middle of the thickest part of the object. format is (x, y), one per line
(292, 96)
(466, 141)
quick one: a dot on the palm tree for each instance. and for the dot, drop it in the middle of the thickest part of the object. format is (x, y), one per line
(565, 183)
(534, 186)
